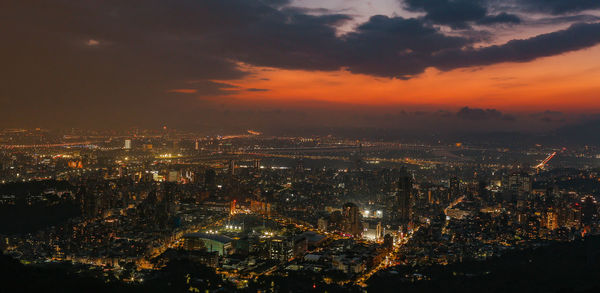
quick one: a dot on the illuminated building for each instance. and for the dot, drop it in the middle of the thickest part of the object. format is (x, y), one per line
(551, 220)
(373, 233)
(517, 185)
(211, 242)
(283, 249)
(322, 224)
(256, 164)
(232, 207)
(173, 176)
(589, 210)
(127, 145)
(351, 220)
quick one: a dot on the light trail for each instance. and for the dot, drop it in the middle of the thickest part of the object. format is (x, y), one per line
(545, 161)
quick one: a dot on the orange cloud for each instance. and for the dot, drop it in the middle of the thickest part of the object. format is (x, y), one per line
(183, 91)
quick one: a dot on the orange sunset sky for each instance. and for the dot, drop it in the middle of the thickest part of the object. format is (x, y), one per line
(569, 82)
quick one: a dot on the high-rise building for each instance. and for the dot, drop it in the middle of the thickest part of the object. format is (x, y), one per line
(351, 219)
(453, 189)
(518, 182)
(256, 164)
(300, 166)
(91, 204)
(551, 219)
(127, 145)
(323, 224)
(166, 207)
(231, 167)
(589, 210)
(281, 248)
(402, 207)
(173, 176)
(210, 179)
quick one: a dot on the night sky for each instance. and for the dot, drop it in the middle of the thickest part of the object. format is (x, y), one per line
(276, 64)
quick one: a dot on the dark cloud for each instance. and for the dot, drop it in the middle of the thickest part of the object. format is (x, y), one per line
(476, 114)
(559, 6)
(455, 13)
(552, 20)
(577, 36)
(499, 18)
(550, 116)
(257, 90)
(552, 120)
(460, 13)
(547, 113)
(404, 46)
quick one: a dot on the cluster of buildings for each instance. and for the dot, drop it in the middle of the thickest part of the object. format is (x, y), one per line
(249, 207)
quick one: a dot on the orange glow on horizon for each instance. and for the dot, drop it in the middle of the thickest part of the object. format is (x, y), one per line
(568, 82)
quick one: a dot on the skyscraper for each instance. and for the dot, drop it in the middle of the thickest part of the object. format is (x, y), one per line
(351, 222)
(589, 210)
(231, 167)
(210, 179)
(403, 197)
(453, 189)
(256, 164)
(127, 145)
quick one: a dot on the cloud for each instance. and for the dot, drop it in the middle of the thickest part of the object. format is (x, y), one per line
(576, 37)
(455, 13)
(404, 47)
(477, 114)
(550, 116)
(79, 60)
(499, 18)
(92, 42)
(183, 91)
(460, 14)
(559, 6)
(553, 20)
(257, 90)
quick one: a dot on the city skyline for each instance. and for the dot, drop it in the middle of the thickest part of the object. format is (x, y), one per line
(300, 146)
